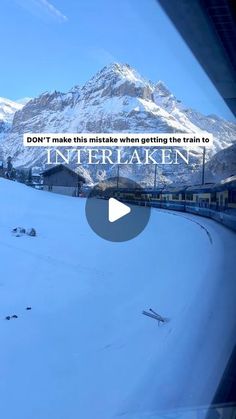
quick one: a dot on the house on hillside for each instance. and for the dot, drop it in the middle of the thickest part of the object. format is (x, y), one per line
(62, 180)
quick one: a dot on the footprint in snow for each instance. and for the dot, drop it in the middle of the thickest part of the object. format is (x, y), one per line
(14, 316)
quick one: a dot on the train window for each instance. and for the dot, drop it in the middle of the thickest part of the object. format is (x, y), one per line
(189, 197)
(175, 196)
(232, 197)
(213, 197)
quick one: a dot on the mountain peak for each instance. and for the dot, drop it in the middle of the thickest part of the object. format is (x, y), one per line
(7, 109)
(119, 68)
(117, 79)
(122, 71)
(118, 71)
(115, 66)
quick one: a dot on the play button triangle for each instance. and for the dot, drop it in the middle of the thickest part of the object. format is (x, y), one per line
(117, 210)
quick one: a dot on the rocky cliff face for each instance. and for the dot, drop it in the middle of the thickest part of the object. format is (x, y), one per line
(116, 99)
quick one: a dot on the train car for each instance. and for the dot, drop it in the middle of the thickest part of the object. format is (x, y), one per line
(216, 201)
(134, 196)
(146, 197)
(224, 207)
(153, 197)
(173, 198)
(226, 194)
(199, 198)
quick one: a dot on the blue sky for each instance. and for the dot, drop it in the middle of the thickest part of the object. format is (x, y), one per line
(56, 44)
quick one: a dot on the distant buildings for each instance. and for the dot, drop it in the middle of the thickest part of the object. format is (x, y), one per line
(61, 179)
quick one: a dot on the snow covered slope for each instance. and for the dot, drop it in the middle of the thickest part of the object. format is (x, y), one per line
(222, 164)
(116, 99)
(7, 111)
(85, 350)
(24, 100)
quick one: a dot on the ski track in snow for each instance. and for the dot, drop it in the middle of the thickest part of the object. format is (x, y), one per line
(85, 349)
(179, 214)
(52, 260)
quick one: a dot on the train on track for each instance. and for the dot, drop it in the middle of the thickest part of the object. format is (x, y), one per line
(216, 201)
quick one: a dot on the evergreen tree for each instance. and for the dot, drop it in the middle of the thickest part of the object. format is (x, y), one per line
(9, 172)
(30, 178)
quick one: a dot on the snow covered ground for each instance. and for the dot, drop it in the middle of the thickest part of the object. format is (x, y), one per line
(85, 350)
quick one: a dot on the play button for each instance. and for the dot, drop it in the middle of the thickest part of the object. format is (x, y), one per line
(116, 209)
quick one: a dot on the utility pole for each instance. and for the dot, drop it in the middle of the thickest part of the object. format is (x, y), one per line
(117, 178)
(203, 165)
(155, 177)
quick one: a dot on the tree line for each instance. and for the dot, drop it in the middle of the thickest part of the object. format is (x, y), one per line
(8, 171)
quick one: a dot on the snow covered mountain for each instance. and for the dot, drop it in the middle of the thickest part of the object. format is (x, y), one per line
(7, 111)
(116, 99)
(221, 166)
